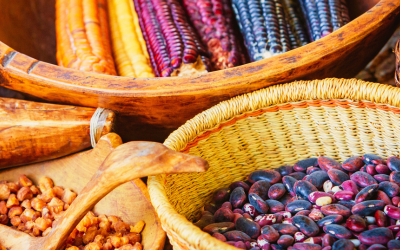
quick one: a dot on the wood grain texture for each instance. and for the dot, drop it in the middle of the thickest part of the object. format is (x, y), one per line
(33, 132)
(167, 103)
(129, 201)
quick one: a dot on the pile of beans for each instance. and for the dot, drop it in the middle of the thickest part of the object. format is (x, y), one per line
(34, 210)
(315, 204)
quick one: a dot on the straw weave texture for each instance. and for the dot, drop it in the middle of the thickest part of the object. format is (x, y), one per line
(397, 74)
(266, 129)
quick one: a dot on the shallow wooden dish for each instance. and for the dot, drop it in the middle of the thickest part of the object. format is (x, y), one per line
(130, 201)
(28, 27)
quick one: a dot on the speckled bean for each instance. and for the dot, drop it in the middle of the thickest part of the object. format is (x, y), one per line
(296, 206)
(378, 235)
(221, 227)
(275, 206)
(307, 246)
(326, 163)
(303, 189)
(395, 177)
(236, 235)
(393, 163)
(271, 176)
(337, 176)
(368, 207)
(344, 195)
(356, 223)
(390, 188)
(285, 241)
(260, 188)
(363, 179)
(285, 170)
(302, 165)
(276, 191)
(353, 164)
(265, 219)
(367, 193)
(269, 233)
(258, 203)
(289, 182)
(331, 219)
(318, 178)
(343, 244)
(336, 209)
(306, 225)
(337, 231)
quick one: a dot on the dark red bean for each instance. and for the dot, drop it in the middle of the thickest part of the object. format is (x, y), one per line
(237, 216)
(219, 236)
(242, 184)
(392, 211)
(328, 240)
(302, 165)
(326, 163)
(224, 215)
(380, 195)
(337, 231)
(306, 225)
(372, 159)
(368, 207)
(285, 241)
(336, 209)
(353, 164)
(296, 206)
(263, 241)
(210, 207)
(307, 246)
(363, 179)
(271, 176)
(276, 191)
(394, 228)
(343, 244)
(303, 212)
(344, 195)
(221, 195)
(349, 204)
(382, 169)
(381, 219)
(304, 189)
(238, 244)
(258, 203)
(227, 204)
(371, 169)
(238, 197)
(393, 163)
(338, 176)
(350, 186)
(367, 193)
(269, 233)
(285, 228)
(275, 206)
(378, 235)
(236, 236)
(206, 219)
(331, 219)
(248, 226)
(390, 188)
(221, 227)
(260, 188)
(396, 200)
(238, 211)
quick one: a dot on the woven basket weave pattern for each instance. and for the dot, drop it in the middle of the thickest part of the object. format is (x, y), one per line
(397, 52)
(267, 129)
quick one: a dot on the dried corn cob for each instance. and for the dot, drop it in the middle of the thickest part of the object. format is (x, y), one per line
(82, 36)
(129, 47)
(264, 28)
(296, 23)
(173, 45)
(324, 16)
(213, 20)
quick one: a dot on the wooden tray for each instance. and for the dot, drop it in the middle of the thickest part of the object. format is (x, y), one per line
(172, 101)
(130, 201)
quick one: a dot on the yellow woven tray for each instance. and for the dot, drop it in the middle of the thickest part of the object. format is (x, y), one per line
(266, 129)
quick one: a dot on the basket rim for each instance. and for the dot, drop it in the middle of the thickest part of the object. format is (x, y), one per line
(352, 90)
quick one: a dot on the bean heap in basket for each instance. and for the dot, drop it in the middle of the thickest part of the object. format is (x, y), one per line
(34, 210)
(315, 204)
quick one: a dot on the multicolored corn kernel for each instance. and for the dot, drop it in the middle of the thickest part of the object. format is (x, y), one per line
(296, 25)
(324, 16)
(214, 22)
(173, 45)
(263, 26)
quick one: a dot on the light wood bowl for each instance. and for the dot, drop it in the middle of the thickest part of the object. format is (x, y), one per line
(130, 201)
(166, 103)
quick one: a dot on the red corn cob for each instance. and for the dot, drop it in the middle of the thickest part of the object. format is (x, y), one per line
(173, 46)
(213, 20)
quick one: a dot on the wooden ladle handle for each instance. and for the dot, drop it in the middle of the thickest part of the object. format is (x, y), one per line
(127, 162)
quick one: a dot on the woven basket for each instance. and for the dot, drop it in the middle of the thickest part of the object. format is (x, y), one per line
(266, 129)
(397, 52)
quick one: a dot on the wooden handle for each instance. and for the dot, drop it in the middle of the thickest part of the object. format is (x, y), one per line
(127, 162)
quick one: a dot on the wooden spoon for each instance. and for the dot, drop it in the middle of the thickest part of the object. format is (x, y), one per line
(127, 162)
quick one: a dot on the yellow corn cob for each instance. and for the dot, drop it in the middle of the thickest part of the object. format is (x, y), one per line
(82, 36)
(128, 45)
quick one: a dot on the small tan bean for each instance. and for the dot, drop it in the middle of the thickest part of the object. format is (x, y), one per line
(25, 181)
(24, 193)
(4, 192)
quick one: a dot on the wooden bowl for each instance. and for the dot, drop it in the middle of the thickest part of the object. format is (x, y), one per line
(130, 201)
(28, 27)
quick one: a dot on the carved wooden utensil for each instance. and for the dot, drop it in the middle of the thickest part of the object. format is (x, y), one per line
(127, 162)
(33, 132)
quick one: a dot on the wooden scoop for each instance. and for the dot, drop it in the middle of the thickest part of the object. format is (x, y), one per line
(127, 162)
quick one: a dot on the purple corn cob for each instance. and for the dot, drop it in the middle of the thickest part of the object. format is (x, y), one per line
(170, 40)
